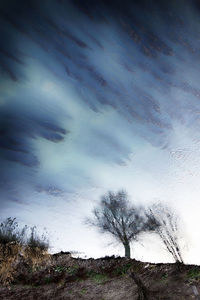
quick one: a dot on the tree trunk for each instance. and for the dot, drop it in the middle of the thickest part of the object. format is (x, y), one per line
(127, 250)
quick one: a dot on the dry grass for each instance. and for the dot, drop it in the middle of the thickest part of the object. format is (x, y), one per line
(8, 257)
(21, 249)
(16, 258)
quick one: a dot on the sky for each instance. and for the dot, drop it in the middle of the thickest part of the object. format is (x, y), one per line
(97, 96)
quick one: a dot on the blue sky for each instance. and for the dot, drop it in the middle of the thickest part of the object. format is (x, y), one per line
(99, 95)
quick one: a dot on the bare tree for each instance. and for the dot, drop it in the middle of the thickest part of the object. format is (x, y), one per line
(118, 217)
(164, 222)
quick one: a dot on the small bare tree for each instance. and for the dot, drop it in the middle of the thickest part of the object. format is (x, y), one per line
(117, 216)
(164, 222)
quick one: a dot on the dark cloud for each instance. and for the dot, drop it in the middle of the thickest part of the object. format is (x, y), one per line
(16, 132)
(71, 48)
(122, 59)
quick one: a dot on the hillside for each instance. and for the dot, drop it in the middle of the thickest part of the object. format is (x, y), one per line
(61, 276)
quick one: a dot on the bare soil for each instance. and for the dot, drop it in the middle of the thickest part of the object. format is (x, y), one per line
(64, 277)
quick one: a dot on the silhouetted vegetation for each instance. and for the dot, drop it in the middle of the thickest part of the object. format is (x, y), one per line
(164, 222)
(10, 231)
(117, 216)
(125, 222)
(37, 241)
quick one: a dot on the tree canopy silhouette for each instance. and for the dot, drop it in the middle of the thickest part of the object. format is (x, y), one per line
(117, 216)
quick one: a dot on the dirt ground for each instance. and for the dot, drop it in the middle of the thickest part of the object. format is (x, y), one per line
(117, 289)
(113, 289)
(102, 279)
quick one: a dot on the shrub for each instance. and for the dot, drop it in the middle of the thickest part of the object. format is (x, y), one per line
(36, 241)
(10, 232)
